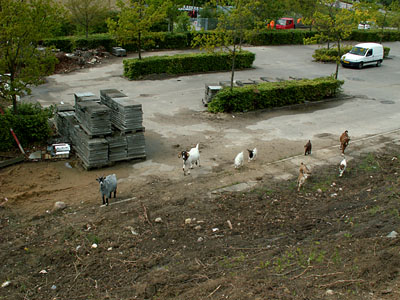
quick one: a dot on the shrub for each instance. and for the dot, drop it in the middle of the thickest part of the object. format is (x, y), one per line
(185, 63)
(274, 94)
(30, 126)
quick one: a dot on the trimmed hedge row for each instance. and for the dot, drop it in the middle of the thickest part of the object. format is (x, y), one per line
(166, 40)
(186, 63)
(274, 94)
(30, 126)
(330, 55)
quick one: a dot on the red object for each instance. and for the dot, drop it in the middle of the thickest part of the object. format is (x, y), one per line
(285, 23)
(15, 137)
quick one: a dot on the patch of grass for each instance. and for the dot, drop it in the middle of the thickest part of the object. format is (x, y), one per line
(369, 163)
(93, 238)
(374, 210)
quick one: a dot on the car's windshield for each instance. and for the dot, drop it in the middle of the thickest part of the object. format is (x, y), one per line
(358, 51)
(281, 22)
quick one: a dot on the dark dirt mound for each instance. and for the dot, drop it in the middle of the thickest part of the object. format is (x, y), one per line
(328, 241)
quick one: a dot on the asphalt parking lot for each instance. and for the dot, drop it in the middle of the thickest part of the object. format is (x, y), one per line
(174, 114)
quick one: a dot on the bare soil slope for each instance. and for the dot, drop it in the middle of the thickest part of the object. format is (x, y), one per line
(326, 242)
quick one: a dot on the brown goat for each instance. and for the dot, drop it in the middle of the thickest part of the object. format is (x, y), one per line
(307, 148)
(344, 141)
(304, 173)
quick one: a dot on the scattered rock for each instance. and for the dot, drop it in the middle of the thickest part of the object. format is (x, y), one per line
(43, 272)
(188, 221)
(94, 245)
(198, 227)
(109, 248)
(392, 235)
(333, 195)
(200, 239)
(59, 205)
(229, 224)
(329, 292)
(215, 229)
(158, 220)
(319, 191)
(5, 284)
(53, 287)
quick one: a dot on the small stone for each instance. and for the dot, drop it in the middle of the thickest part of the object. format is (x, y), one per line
(94, 246)
(43, 272)
(329, 292)
(188, 221)
(392, 235)
(5, 284)
(59, 205)
(333, 195)
(77, 247)
(215, 229)
(368, 190)
(53, 287)
(200, 239)
(319, 191)
(158, 220)
(109, 248)
(333, 184)
(198, 227)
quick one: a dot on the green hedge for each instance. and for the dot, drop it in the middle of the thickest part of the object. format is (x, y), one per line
(166, 40)
(274, 94)
(30, 126)
(185, 63)
(330, 55)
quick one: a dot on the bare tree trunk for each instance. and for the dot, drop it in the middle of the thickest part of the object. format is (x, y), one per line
(337, 60)
(140, 45)
(233, 65)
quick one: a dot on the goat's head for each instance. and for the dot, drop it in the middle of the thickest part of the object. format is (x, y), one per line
(100, 180)
(184, 155)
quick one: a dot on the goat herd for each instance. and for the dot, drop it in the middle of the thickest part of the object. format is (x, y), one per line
(108, 184)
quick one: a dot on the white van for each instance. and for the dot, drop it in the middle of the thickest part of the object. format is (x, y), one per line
(363, 54)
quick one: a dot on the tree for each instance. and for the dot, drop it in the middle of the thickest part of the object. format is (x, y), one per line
(135, 20)
(265, 11)
(86, 13)
(332, 24)
(394, 18)
(172, 11)
(22, 63)
(305, 9)
(231, 30)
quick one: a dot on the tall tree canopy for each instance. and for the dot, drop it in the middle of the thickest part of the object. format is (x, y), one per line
(23, 24)
(86, 13)
(135, 20)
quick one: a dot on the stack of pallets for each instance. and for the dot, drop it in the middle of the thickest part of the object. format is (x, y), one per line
(93, 117)
(126, 115)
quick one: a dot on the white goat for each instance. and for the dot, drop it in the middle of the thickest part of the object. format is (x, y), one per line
(342, 167)
(252, 154)
(193, 156)
(108, 185)
(239, 160)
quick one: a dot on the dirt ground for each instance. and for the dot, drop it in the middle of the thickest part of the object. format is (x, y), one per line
(328, 241)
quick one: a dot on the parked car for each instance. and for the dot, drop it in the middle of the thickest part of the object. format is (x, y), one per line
(366, 25)
(363, 54)
(285, 23)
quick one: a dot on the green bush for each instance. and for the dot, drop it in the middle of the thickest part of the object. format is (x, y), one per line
(185, 63)
(274, 94)
(330, 55)
(30, 126)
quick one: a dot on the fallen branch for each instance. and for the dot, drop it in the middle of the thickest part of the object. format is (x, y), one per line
(214, 291)
(340, 282)
(146, 216)
(297, 276)
(323, 275)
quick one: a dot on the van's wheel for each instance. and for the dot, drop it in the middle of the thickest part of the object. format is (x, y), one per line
(360, 65)
(378, 63)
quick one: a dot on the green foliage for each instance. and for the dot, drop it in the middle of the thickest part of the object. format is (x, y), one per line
(30, 125)
(183, 23)
(23, 24)
(185, 63)
(274, 94)
(330, 55)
